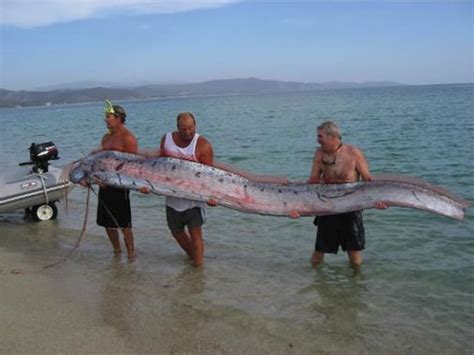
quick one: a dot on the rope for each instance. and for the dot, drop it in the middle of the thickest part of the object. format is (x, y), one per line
(106, 208)
(44, 187)
(79, 239)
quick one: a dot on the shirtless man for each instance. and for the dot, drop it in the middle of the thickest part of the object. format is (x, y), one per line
(113, 210)
(338, 163)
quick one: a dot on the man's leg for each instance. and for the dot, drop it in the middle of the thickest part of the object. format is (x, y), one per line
(113, 235)
(355, 257)
(326, 238)
(317, 257)
(355, 237)
(175, 221)
(184, 241)
(197, 245)
(129, 242)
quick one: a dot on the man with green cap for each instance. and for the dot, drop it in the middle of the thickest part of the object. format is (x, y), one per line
(113, 210)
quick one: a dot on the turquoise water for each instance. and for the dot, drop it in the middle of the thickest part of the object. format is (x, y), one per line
(414, 292)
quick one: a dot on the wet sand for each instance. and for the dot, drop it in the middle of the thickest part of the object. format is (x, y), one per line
(242, 301)
(103, 303)
(70, 309)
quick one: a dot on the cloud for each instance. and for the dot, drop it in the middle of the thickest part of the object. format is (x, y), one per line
(35, 13)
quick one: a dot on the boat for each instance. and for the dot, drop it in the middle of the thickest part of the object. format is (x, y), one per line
(35, 186)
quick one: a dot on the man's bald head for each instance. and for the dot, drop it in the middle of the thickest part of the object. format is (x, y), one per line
(186, 126)
(185, 116)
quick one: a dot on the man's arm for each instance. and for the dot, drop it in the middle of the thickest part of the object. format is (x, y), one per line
(162, 146)
(314, 178)
(204, 152)
(101, 147)
(130, 144)
(315, 175)
(362, 166)
(205, 155)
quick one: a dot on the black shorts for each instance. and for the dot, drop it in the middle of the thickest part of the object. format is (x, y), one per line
(113, 208)
(192, 218)
(345, 230)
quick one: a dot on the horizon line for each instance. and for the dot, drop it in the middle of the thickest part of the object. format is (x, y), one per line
(131, 85)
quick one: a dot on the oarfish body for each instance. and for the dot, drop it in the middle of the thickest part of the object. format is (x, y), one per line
(194, 181)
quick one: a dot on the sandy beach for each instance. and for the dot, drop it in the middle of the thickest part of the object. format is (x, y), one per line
(72, 309)
(101, 303)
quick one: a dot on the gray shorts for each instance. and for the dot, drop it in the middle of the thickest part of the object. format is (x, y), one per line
(192, 218)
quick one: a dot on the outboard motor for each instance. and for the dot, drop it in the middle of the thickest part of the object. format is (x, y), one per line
(40, 155)
(38, 189)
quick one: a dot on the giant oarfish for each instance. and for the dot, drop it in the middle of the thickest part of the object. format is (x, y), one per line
(194, 181)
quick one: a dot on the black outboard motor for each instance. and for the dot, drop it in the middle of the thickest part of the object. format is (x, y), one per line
(40, 155)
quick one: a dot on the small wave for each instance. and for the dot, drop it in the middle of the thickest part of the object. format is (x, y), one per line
(236, 159)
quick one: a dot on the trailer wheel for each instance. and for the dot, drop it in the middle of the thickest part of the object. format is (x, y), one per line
(44, 212)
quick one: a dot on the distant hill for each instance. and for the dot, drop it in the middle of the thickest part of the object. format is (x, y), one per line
(58, 97)
(9, 98)
(95, 84)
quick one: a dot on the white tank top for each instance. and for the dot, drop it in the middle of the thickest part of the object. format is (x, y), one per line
(188, 152)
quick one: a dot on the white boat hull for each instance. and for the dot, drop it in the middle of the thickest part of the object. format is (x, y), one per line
(23, 189)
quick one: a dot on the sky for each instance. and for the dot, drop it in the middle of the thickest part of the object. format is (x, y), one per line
(49, 42)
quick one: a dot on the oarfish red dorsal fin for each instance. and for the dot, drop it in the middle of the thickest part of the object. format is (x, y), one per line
(269, 179)
(423, 184)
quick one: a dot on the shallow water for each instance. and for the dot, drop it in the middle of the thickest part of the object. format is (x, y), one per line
(257, 291)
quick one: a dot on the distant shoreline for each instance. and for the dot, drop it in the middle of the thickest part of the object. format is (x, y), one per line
(232, 87)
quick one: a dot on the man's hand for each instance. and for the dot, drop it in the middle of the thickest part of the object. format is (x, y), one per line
(294, 214)
(212, 202)
(144, 190)
(99, 182)
(84, 183)
(87, 183)
(380, 205)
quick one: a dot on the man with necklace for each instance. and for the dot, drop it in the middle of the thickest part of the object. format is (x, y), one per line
(338, 163)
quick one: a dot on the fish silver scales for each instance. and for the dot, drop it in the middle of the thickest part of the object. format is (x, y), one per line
(195, 181)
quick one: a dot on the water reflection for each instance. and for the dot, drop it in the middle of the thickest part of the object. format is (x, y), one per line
(338, 294)
(190, 281)
(119, 297)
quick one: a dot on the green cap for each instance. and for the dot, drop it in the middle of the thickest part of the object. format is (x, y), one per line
(116, 110)
(109, 108)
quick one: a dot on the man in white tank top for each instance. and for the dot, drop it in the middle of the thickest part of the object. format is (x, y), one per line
(185, 143)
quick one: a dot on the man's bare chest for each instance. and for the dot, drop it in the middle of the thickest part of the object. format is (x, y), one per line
(113, 142)
(343, 170)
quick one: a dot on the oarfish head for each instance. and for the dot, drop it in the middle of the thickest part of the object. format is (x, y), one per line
(81, 170)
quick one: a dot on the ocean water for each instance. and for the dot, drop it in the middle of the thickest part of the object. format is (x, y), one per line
(258, 291)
